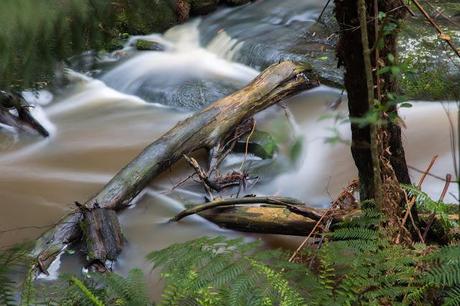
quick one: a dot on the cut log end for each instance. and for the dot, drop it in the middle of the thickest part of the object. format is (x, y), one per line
(102, 234)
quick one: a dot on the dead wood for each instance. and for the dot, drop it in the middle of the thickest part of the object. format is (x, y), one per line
(267, 219)
(290, 204)
(204, 129)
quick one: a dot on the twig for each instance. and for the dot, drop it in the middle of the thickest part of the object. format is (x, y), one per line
(337, 204)
(422, 179)
(309, 236)
(411, 202)
(422, 240)
(246, 148)
(441, 13)
(442, 35)
(429, 174)
(411, 12)
(291, 204)
(199, 171)
(320, 243)
(441, 198)
(323, 10)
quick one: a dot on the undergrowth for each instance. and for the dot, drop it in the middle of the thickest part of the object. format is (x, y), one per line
(355, 265)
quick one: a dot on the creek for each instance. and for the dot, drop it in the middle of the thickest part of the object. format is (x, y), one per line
(100, 122)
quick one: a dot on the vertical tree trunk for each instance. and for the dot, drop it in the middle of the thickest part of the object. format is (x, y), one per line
(350, 54)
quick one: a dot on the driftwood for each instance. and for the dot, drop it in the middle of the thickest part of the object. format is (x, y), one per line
(266, 215)
(103, 234)
(266, 219)
(202, 130)
(22, 120)
(273, 219)
(290, 204)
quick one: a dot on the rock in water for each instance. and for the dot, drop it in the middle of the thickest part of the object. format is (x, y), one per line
(148, 45)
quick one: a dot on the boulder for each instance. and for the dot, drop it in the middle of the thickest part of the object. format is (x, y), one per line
(236, 2)
(148, 45)
(202, 7)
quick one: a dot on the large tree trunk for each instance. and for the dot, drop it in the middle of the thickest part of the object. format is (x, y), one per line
(202, 130)
(350, 54)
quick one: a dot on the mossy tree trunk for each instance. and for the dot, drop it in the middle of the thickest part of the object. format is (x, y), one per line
(350, 54)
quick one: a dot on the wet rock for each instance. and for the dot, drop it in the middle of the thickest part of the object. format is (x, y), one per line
(236, 2)
(191, 94)
(260, 143)
(202, 7)
(267, 32)
(432, 70)
(148, 45)
(277, 32)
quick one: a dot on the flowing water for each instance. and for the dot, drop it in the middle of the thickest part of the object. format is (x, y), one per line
(99, 123)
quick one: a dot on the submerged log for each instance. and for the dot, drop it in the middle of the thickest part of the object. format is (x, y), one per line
(202, 130)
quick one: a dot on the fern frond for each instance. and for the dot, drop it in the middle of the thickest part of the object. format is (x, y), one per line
(86, 292)
(288, 296)
(452, 297)
(446, 275)
(354, 233)
(131, 290)
(424, 202)
(14, 260)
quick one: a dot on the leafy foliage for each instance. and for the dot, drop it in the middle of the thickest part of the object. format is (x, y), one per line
(211, 265)
(444, 274)
(357, 265)
(425, 203)
(101, 289)
(12, 261)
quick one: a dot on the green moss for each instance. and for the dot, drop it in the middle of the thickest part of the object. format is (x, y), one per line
(145, 16)
(260, 143)
(430, 69)
(430, 85)
(148, 45)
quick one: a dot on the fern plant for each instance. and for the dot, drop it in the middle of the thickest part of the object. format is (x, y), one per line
(15, 261)
(357, 265)
(444, 273)
(99, 289)
(227, 270)
(425, 203)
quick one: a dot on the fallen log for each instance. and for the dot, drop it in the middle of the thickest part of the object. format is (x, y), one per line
(268, 219)
(293, 205)
(202, 130)
(266, 215)
(262, 220)
(23, 119)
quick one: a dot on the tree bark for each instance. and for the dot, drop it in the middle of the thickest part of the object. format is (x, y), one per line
(290, 204)
(23, 120)
(267, 219)
(350, 54)
(202, 130)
